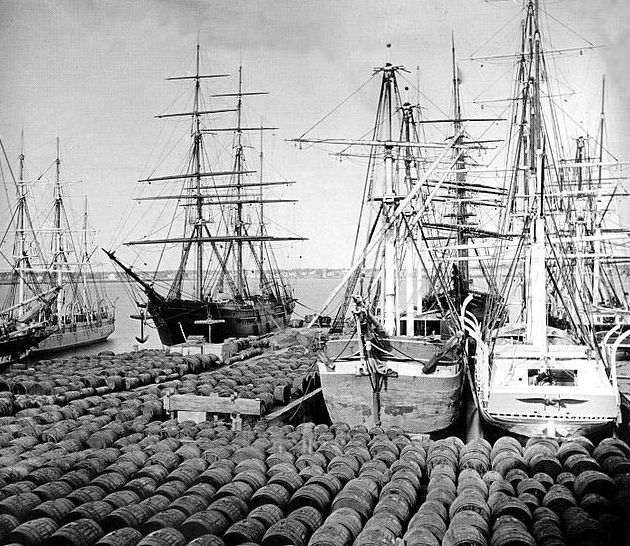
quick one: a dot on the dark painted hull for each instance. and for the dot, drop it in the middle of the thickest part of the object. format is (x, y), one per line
(175, 319)
(20, 344)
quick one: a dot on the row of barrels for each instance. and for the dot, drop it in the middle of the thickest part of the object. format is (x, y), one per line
(169, 483)
(275, 379)
(60, 381)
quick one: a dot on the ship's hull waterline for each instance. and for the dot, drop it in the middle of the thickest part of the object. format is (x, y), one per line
(176, 320)
(415, 401)
(78, 334)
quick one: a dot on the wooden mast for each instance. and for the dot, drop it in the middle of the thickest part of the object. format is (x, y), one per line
(199, 205)
(461, 216)
(238, 227)
(597, 247)
(389, 249)
(261, 275)
(537, 279)
(58, 250)
(22, 258)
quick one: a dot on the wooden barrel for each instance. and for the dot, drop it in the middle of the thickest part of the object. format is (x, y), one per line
(400, 486)
(419, 536)
(508, 530)
(581, 528)
(121, 498)
(578, 463)
(432, 522)
(545, 529)
(134, 516)
(547, 463)
(569, 448)
(19, 505)
(34, 532)
(268, 514)
(445, 495)
(514, 507)
(156, 503)
(387, 521)
(402, 473)
(94, 510)
(286, 531)
(348, 518)
(468, 518)
(251, 464)
(245, 530)
(502, 486)
(163, 537)
(595, 504)
(530, 485)
(593, 481)
(470, 503)
(171, 490)
(142, 486)
(55, 509)
(291, 481)
(82, 532)
(233, 508)
(309, 516)
(558, 499)
(312, 494)
(359, 500)
(273, 493)
(7, 524)
(544, 513)
(190, 504)
(311, 459)
(375, 536)
(110, 481)
(505, 460)
(464, 536)
(126, 536)
(212, 522)
(331, 534)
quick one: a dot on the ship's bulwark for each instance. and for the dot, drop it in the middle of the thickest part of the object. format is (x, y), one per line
(417, 402)
(175, 320)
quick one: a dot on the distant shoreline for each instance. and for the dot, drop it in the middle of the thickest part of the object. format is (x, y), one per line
(106, 277)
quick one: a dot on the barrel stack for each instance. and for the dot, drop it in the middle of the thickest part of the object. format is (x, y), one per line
(88, 457)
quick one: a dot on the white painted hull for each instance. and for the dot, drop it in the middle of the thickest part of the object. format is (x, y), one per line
(68, 338)
(581, 403)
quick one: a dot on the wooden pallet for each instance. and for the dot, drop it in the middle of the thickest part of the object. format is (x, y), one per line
(189, 407)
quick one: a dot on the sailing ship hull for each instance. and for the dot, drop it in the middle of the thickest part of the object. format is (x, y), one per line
(417, 402)
(19, 345)
(77, 334)
(581, 400)
(175, 320)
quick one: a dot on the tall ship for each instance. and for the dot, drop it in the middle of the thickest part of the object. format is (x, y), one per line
(596, 225)
(546, 372)
(57, 254)
(395, 353)
(26, 314)
(234, 287)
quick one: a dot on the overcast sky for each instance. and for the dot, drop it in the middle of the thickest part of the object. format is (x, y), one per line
(92, 73)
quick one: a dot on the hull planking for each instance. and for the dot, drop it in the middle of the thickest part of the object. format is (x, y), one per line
(417, 402)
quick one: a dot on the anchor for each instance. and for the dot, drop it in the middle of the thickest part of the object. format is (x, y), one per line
(142, 317)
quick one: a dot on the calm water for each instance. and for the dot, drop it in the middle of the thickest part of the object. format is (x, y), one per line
(310, 292)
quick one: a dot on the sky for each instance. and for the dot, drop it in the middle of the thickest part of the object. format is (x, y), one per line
(92, 72)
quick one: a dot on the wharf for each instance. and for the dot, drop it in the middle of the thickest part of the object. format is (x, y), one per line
(88, 455)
